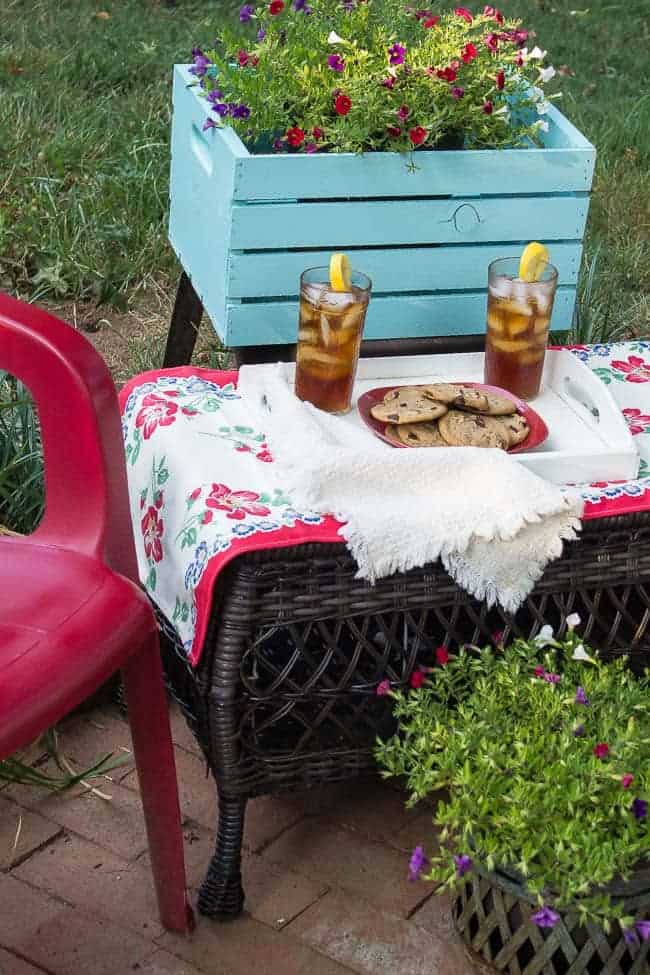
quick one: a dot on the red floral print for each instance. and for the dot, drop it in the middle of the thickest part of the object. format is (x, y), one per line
(152, 530)
(637, 421)
(155, 411)
(635, 369)
(238, 504)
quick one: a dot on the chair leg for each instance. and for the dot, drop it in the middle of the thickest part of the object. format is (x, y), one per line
(184, 325)
(222, 894)
(154, 757)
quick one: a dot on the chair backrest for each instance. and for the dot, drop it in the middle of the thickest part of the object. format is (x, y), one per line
(87, 505)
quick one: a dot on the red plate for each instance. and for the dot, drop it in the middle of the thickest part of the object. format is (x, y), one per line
(538, 429)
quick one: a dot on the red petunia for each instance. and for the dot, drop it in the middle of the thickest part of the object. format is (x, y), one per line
(447, 74)
(393, 130)
(317, 133)
(491, 41)
(276, 7)
(418, 678)
(601, 750)
(431, 22)
(342, 104)
(464, 13)
(469, 53)
(494, 13)
(442, 656)
(295, 136)
(539, 671)
(417, 135)
(501, 80)
(488, 107)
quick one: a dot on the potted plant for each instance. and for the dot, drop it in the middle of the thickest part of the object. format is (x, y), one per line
(544, 750)
(422, 140)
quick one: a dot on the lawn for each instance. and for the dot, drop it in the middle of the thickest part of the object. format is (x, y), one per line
(84, 130)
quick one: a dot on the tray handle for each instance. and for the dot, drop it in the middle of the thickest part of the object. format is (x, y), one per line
(598, 409)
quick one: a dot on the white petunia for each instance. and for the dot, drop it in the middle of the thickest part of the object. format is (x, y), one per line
(537, 53)
(545, 74)
(542, 107)
(579, 653)
(573, 620)
(544, 637)
(334, 38)
(542, 125)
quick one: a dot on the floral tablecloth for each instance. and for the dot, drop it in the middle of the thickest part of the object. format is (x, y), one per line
(199, 479)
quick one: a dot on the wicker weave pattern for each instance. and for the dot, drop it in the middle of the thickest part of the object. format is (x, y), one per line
(493, 917)
(284, 695)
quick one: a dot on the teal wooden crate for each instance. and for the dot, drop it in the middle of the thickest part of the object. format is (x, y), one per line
(424, 228)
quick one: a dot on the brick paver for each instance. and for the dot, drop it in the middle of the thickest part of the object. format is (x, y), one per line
(324, 872)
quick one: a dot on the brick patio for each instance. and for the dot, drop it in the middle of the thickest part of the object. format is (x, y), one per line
(324, 872)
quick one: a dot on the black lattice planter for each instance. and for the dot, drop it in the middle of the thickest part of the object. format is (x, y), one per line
(492, 914)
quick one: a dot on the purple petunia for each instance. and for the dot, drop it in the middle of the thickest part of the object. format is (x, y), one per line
(417, 863)
(581, 697)
(464, 864)
(261, 34)
(403, 112)
(221, 109)
(579, 731)
(336, 62)
(240, 111)
(246, 12)
(397, 54)
(201, 63)
(209, 124)
(214, 96)
(545, 917)
(643, 927)
(639, 808)
(552, 678)
(630, 937)
(301, 5)
(458, 93)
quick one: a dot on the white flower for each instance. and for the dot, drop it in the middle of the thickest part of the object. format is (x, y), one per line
(334, 38)
(573, 620)
(505, 111)
(542, 107)
(545, 74)
(544, 637)
(542, 125)
(579, 653)
(537, 53)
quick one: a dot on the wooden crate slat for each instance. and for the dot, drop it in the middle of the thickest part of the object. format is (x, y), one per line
(394, 222)
(395, 316)
(277, 273)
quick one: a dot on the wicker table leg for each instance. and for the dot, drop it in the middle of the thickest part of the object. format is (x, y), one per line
(222, 894)
(184, 325)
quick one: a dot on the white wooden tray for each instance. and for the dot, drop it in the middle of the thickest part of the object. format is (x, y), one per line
(588, 437)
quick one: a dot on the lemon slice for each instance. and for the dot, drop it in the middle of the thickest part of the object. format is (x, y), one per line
(340, 272)
(533, 261)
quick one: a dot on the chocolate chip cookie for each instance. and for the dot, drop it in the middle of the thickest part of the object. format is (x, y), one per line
(407, 405)
(420, 435)
(473, 430)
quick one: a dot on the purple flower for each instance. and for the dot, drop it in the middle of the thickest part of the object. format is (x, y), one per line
(221, 109)
(261, 34)
(397, 53)
(336, 62)
(464, 864)
(639, 808)
(403, 112)
(214, 96)
(418, 862)
(301, 5)
(278, 145)
(458, 93)
(579, 731)
(581, 697)
(201, 63)
(545, 917)
(643, 927)
(246, 12)
(209, 124)
(388, 82)
(552, 678)
(312, 147)
(240, 111)
(383, 688)
(630, 937)
(348, 5)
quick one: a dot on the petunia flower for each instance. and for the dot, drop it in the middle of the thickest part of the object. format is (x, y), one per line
(403, 112)
(491, 41)
(336, 62)
(201, 63)
(246, 12)
(643, 927)
(630, 937)
(500, 80)
(579, 653)
(277, 145)
(489, 11)
(579, 731)
(295, 136)
(442, 656)
(209, 124)
(601, 750)
(240, 111)
(573, 621)
(394, 130)
(317, 132)
(545, 636)
(545, 917)
(447, 74)
(469, 53)
(545, 74)
(261, 34)
(488, 106)
(333, 38)
(539, 671)
(383, 688)
(342, 104)
(418, 677)
(551, 678)
(627, 780)
(464, 13)
(417, 136)
(397, 54)
(431, 22)
(417, 863)
(388, 82)
(464, 864)
(542, 125)
(276, 7)
(639, 808)
(581, 697)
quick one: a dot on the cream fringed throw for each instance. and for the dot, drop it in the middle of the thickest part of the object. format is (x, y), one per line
(494, 524)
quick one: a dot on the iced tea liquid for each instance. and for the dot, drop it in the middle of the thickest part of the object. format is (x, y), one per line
(329, 336)
(518, 320)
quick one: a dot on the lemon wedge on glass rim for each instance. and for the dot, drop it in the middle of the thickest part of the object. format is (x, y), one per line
(340, 272)
(532, 262)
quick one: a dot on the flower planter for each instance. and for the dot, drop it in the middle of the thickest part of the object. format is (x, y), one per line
(492, 914)
(424, 227)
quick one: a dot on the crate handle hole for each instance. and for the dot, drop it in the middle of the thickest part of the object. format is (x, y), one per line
(201, 149)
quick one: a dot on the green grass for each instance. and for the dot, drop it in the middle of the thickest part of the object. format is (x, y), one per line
(84, 130)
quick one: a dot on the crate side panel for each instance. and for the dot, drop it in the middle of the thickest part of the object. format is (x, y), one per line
(201, 178)
(394, 316)
(276, 274)
(396, 222)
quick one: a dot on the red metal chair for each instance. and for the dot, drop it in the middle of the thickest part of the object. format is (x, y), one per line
(71, 613)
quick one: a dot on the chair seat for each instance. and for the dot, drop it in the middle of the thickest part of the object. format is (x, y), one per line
(65, 620)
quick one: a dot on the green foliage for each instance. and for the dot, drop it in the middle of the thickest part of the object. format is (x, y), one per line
(21, 462)
(526, 792)
(389, 60)
(13, 770)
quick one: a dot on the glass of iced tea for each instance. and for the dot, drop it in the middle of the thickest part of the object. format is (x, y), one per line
(518, 319)
(329, 337)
